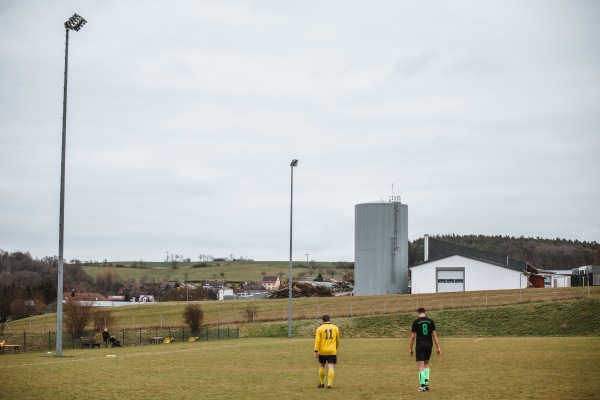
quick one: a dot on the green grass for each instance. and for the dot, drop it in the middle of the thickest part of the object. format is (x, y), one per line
(308, 309)
(564, 318)
(469, 368)
(234, 271)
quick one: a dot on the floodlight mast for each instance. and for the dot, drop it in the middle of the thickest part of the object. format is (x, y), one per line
(74, 23)
(293, 164)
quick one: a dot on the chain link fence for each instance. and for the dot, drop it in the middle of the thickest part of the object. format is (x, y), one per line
(36, 342)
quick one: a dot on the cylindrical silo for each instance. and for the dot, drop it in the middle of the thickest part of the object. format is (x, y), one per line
(381, 248)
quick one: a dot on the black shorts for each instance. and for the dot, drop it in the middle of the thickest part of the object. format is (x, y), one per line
(423, 353)
(327, 359)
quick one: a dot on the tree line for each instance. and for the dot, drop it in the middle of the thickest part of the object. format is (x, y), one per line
(553, 254)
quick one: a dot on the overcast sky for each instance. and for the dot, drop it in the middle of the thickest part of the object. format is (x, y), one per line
(183, 118)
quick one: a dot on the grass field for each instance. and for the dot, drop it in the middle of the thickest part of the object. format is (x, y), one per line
(469, 368)
(233, 271)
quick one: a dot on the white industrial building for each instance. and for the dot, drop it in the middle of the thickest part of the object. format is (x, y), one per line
(454, 268)
(461, 273)
(381, 248)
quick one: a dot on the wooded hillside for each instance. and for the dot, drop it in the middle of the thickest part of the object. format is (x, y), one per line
(541, 253)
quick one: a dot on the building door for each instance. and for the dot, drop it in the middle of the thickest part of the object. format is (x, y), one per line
(451, 280)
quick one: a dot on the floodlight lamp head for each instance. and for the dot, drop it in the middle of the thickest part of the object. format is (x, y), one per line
(75, 23)
(294, 163)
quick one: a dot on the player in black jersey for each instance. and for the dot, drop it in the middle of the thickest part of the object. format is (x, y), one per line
(423, 329)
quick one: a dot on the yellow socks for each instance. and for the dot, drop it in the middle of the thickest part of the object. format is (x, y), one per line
(330, 375)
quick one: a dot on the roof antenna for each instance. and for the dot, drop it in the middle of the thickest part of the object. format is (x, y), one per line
(392, 198)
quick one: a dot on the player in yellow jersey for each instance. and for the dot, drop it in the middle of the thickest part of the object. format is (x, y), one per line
(327, 341)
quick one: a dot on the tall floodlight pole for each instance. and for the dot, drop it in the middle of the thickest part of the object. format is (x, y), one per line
(74, 23)
(293, 164)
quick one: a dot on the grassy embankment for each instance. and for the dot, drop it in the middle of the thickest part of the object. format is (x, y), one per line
(478, 313)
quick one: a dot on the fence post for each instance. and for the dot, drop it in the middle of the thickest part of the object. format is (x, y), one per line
(140, 342)
(183, 335)
(49, 342)
(227, 331)
(417, 298)
(207, 333)
(24, 342)
(123, 337)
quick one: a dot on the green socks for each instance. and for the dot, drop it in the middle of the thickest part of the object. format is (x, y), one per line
(426, 375)
(422, 378)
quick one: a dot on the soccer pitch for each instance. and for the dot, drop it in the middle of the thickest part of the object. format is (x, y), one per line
(471, 368)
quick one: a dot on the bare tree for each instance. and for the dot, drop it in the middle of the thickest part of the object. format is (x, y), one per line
(103, 318)
(193, 316)
(76, 316)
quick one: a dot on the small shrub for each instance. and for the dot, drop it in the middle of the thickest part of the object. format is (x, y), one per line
(103, 318)
(249, 313)
(76, 316)
(193, 316)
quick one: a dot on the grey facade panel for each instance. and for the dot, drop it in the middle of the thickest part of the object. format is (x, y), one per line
(381, 249)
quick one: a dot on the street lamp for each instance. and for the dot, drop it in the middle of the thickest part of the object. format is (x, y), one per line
(74, 23)
(293, 164)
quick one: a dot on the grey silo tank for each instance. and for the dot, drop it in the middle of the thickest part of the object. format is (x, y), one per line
(381, 248)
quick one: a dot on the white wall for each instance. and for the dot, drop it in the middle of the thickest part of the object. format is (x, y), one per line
(479, 275)
(562, 281)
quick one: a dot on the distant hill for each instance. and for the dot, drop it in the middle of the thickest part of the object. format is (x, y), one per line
(542, 253)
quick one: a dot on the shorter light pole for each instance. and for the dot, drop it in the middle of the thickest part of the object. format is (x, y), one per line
(187, 297)
(293, 164)
(307, 254)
